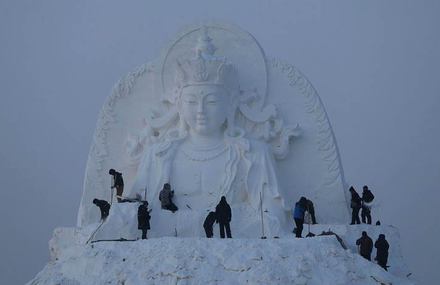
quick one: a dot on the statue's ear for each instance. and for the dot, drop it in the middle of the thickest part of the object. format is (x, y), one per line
(232, 110)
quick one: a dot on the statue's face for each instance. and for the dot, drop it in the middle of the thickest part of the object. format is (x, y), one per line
(204, 107)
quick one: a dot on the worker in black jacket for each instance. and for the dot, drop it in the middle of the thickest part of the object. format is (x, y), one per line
(209, 223)
(355, 204)
(367, 199)
(118, 183)
(103, 206)
(366, 245)
(382, 247)
(144, 219)
(223, 213)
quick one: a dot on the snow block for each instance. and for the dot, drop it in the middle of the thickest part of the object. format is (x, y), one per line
(170, 260)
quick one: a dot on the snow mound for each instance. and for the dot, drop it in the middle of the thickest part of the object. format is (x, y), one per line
(171, 260)
(122, 223)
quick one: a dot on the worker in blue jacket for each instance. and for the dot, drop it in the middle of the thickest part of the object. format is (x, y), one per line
(298, 215)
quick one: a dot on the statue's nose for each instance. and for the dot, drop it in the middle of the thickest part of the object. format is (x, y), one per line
(200, 107)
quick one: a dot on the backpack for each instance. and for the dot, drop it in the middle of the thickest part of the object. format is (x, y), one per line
(354, 204)
(368, 196)
(308, 218)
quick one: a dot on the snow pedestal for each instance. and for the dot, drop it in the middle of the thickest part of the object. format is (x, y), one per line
(122, 223)
(350, 233)
(171, 260)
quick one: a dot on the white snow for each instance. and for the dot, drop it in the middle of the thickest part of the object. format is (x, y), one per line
(139, 143)
(122, 223)
(176, 260)
(141, 118)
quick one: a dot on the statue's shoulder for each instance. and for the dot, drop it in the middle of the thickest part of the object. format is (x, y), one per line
(251, 147)
(163, 148)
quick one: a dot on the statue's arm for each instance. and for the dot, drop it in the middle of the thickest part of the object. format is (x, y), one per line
(262, 177)
(143, 174)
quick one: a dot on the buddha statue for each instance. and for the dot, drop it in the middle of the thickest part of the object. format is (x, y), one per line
(205, 155)
(216, 117)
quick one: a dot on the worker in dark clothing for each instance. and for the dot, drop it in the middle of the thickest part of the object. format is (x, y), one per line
(366, 245)
(382, 247)
(209, 223)
(118, 183)
(223, 214)
(166, 198)
(367, 199)
(311, 210)
(356, 204)
(144, 219)
(298, 215)
(104, 206)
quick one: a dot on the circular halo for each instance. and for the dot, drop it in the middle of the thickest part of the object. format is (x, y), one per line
(238, 46)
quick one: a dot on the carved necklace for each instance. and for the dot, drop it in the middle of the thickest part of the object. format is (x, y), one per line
(204, 154)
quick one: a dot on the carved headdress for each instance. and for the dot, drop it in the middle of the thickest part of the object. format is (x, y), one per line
(206, 68)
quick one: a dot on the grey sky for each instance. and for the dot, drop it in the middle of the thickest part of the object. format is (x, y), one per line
(374, 63)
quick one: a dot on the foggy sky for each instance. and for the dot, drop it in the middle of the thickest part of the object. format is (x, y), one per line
(374, 63)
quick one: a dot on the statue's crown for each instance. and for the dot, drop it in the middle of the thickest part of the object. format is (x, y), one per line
(206, 68)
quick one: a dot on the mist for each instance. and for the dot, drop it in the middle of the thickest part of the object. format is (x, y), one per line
(374, 64)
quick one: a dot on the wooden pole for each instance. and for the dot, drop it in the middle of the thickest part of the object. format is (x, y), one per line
(145, 193)
(262, 222)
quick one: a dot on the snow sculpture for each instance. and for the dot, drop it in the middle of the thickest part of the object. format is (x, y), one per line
(205, 155)
(217, 118)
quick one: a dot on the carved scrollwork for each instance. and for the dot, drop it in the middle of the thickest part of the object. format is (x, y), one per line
(327, 145)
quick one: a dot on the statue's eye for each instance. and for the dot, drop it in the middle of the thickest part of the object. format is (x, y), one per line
(211, 100)
(191, 100)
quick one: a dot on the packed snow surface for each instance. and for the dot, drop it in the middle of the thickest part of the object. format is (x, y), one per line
(176, 260)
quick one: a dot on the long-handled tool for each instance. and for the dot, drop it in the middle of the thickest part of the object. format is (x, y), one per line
(262, 221)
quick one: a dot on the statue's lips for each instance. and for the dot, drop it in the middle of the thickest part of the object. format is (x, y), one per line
(201, 120)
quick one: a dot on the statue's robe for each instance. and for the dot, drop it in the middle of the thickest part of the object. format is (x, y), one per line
(249, 172)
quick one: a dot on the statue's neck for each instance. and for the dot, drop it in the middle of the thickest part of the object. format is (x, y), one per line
(205, 141)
